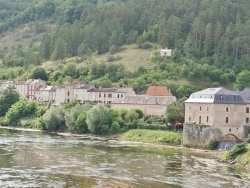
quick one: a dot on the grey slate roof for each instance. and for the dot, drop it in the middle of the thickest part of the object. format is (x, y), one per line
(216, 95)
(149, 100)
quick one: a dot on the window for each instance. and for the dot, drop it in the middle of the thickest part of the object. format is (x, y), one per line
(118, 96)
(189, 118)
(121, 95)
(247, 110)
(100, 94)
(199, 119)
(207, 108)
(247, 120)
(227, 119)
(104, 95)
(207, 118)
(189, 107)
(227, 109)
(68, 93)
(109, 95)
(200, 108)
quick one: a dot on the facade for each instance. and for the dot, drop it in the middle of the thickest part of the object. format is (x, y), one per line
(166, 52)
(149, 105)
(82, 93)
(109, 95)
(226, 110)
(6, 84)
(45, 95)
(21, 88)
(33, 85)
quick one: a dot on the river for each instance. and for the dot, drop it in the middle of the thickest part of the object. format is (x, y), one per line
(36, 159)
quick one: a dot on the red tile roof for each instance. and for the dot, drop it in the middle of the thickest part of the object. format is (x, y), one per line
(158, 91)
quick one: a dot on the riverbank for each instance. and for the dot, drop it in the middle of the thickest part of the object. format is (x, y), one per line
(21, 129)
(120, 139)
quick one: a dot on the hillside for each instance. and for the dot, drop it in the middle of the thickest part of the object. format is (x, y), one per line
(210, 41)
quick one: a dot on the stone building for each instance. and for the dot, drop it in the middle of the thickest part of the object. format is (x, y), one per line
(220, 113)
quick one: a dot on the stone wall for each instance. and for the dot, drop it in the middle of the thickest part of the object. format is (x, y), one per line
(200, 135)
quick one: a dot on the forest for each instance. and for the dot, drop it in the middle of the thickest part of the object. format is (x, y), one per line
(210, 41)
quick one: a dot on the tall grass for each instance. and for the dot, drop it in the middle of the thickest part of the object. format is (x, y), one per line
(153, 136)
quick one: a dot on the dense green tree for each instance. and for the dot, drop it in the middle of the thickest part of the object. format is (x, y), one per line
(7, 99)
(21, 109)
(98, 119)
(54, 118)
(39, 73)
(242, 80)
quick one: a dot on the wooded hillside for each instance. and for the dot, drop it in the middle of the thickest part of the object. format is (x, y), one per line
(211, 38)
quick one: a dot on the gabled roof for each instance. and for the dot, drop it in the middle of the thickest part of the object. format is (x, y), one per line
(245, 94)
(216, 95)
(158, 91)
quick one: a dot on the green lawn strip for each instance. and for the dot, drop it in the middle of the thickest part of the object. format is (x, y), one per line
(153, 136)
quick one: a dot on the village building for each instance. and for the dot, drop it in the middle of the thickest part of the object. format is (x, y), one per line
(33, 85)
(149, 105)
(6, 84)
(154, 103)
(166, 52)
(109, 95)
(21, 88)
(82, 93)
(220, 109)
(46, 95)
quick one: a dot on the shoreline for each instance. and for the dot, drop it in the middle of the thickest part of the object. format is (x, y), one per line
(116, 140)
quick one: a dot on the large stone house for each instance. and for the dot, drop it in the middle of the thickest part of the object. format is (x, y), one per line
(220, 113)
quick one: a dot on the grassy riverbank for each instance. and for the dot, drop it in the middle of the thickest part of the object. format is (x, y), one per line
(244, 159)
(240, 155)
(153, 136)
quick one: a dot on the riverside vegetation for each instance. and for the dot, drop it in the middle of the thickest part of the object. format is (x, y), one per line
(116, 44)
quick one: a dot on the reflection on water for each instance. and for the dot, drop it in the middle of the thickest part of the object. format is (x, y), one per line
(31, 159)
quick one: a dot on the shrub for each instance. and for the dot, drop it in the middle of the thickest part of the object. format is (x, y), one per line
(97, 117)
(236, 150)
(115, 127)
(54, 118)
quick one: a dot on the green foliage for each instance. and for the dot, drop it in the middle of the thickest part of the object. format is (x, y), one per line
(98, 119)
(8, 98)
(151, 136)
(75, 118)
(39, 73)
(115, 127)
(54, 118)
(242, 80)
(175, 111)
(131, 116)
(21, 109)
(81, 124)
(236, 150)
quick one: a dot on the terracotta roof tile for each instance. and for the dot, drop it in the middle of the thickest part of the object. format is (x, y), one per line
(158, 91)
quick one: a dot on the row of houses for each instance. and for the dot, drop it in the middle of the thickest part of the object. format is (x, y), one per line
(153, 103)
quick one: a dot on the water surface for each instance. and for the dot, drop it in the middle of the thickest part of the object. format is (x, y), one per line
(35, 159)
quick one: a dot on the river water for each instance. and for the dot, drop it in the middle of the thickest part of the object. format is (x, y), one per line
(35, 159)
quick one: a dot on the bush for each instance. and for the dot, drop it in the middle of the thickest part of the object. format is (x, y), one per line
(236, 150)
(115, 127)
(21, 109)
(54, 119)
(98, 119)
